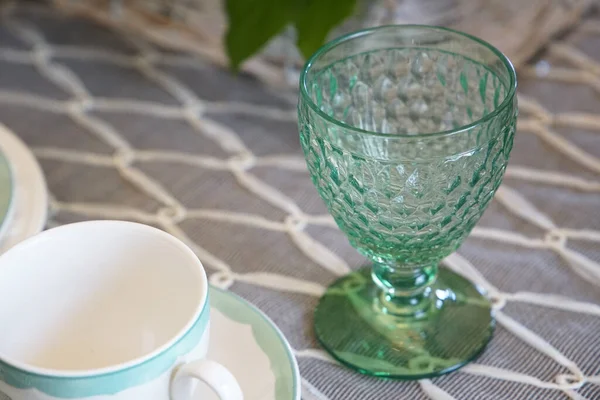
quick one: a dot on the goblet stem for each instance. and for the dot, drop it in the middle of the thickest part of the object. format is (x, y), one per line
(405, 292)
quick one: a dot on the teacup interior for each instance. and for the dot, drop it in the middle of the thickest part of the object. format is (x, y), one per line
(95, 295)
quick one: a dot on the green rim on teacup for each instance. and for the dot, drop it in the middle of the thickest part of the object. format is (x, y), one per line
(110, 382)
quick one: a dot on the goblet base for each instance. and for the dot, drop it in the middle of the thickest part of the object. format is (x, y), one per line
(450, 330)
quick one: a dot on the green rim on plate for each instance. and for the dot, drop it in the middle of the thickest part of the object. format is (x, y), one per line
(269, 338)
(6, 189)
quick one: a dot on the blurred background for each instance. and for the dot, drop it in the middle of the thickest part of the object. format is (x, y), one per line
(267, 31)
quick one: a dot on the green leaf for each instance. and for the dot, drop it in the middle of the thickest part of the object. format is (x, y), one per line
(252, 23)
(314, 19)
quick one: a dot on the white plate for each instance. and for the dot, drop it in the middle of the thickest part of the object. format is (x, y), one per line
(29, 204)
(247, 342)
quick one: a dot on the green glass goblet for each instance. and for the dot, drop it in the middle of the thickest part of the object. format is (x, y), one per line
(406, 131)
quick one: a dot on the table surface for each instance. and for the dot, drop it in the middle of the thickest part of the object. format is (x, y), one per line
(126, 130)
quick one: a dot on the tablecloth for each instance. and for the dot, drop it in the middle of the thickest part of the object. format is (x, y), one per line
(127, 130)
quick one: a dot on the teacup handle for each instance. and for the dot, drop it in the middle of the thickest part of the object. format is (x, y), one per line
(216, 376)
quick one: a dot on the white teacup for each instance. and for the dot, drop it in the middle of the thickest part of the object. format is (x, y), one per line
(105, 309)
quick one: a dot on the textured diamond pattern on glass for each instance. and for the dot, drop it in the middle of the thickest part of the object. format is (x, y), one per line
(407, 91)
(406, 145)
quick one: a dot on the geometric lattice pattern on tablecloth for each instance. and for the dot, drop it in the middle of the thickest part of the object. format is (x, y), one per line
(126, 130)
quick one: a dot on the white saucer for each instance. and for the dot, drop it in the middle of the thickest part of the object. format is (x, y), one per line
(29, 203)
(247, 342)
